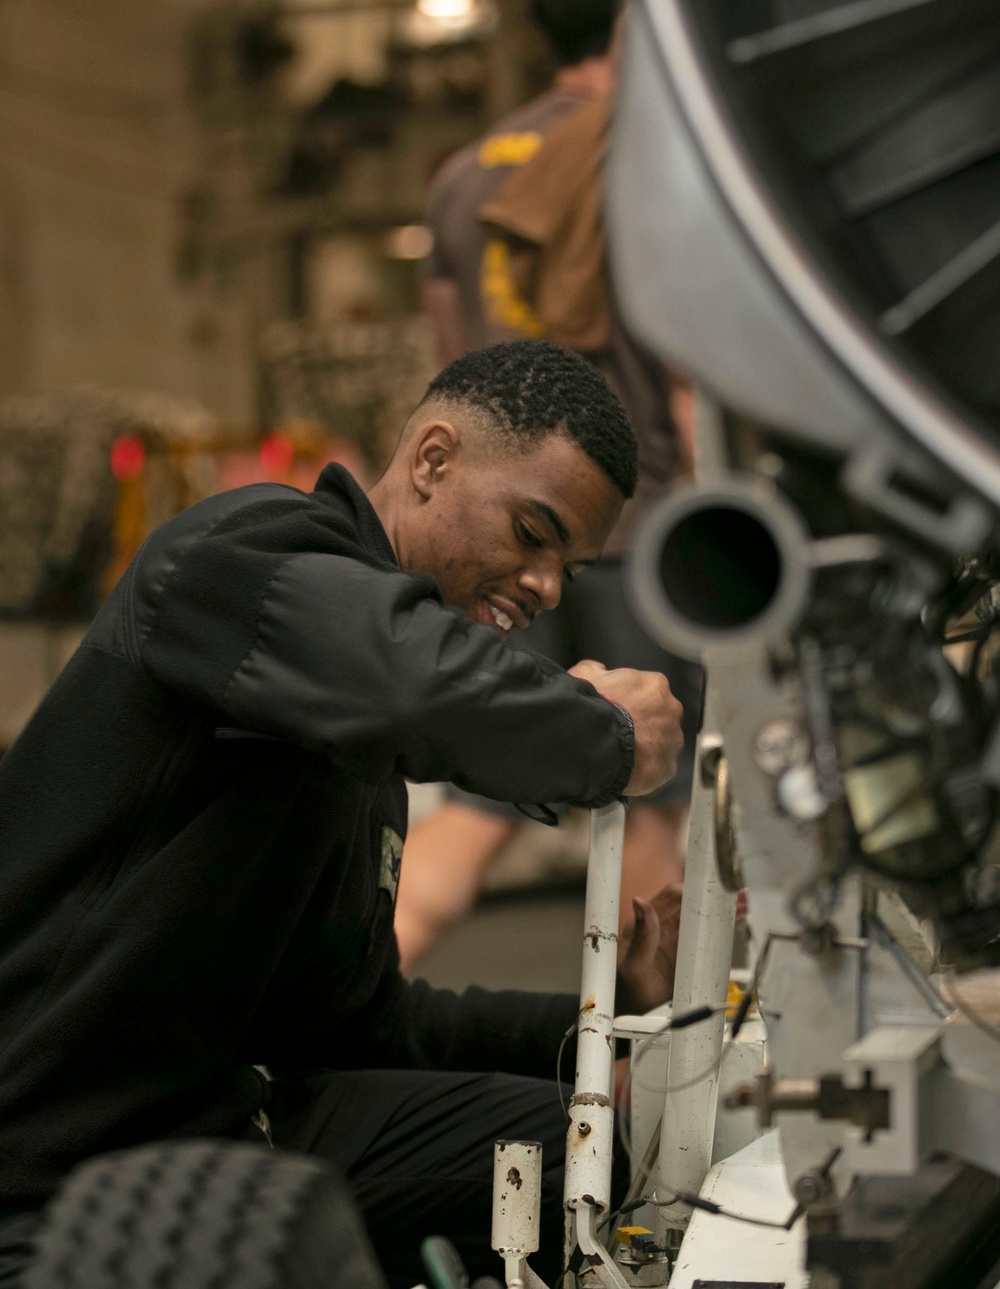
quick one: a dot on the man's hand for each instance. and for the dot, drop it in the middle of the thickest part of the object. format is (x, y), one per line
(647, 956)
(656, 715)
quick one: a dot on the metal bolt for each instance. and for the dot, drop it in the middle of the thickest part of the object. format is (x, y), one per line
(811, 1188)
(583, 1129)
(780, 743)
(819, 939)
(711, 754)
(799, 794)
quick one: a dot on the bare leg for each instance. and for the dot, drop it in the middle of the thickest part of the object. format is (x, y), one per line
(445, 860)
(448, 854)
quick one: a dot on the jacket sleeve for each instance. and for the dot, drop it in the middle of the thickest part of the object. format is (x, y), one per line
(410, 1025)
(369, 666)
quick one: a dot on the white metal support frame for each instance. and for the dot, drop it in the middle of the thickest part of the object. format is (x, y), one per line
(707, 921)
(590, 1136)
(704, 958)
(517, 1201)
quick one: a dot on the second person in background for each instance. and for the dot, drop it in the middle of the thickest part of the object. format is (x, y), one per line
(519, 251)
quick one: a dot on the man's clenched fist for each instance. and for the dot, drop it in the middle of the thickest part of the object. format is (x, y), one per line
(656, 715)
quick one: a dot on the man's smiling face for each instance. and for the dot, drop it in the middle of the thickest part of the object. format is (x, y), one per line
(501, 531)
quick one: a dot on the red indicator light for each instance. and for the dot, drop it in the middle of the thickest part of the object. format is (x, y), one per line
(277, 454)
(128, 456)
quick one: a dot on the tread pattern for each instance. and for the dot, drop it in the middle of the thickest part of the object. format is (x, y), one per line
(191, 1215)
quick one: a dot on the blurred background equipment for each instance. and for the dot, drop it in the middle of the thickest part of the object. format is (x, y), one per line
(817, 245)
(862, 407)
(68, 468)
(362, 377)
(844, 164)
(218, 203)
(84, 478)
(519, 253)
(175, 178)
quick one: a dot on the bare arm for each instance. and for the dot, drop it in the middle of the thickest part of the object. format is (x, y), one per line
(442, 305)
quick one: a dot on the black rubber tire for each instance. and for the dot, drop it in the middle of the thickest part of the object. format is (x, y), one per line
(203, 1215)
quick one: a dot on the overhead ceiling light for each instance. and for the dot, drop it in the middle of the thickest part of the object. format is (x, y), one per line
(446, 9)
(439, 22)
(409, 242)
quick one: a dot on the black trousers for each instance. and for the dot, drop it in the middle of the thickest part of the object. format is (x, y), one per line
(428, 1170)
(416, 1148)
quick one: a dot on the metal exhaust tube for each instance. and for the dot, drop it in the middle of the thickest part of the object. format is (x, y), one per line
(721, 567)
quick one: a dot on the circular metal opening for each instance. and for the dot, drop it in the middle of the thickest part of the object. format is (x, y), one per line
(720, 568)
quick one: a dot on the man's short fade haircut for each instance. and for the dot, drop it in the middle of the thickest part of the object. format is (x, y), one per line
(530, 389)
(576, 29)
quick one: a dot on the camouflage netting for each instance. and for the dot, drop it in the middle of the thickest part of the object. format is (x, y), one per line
(359, 379)
(57, 493)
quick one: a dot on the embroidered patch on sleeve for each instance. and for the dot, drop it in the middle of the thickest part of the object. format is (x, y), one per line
(391, 862)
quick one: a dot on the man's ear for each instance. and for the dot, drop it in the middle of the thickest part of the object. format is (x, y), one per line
(436, 446)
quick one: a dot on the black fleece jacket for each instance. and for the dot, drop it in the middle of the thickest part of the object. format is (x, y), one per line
(195, 829)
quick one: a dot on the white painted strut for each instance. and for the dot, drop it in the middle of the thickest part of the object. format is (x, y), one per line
(517, 1203)
(601, 1265)
(704, 958)
(590, 1137)
(517, 1196)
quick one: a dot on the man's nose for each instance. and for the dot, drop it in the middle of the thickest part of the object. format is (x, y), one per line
(543, 582)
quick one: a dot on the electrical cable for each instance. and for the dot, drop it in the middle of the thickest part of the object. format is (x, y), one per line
(692, 1017)
(630, 1204)
(633, 1196)
(740, 1015)
(642, 1173)
(705, 1206)
(641, 1176)
(883, 937)
(709, 1206)
(717, 1210)
(559, 1056)
(683, 1086)
(627, 1207)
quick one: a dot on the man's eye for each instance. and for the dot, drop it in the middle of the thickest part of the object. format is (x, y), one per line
(528, 537)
